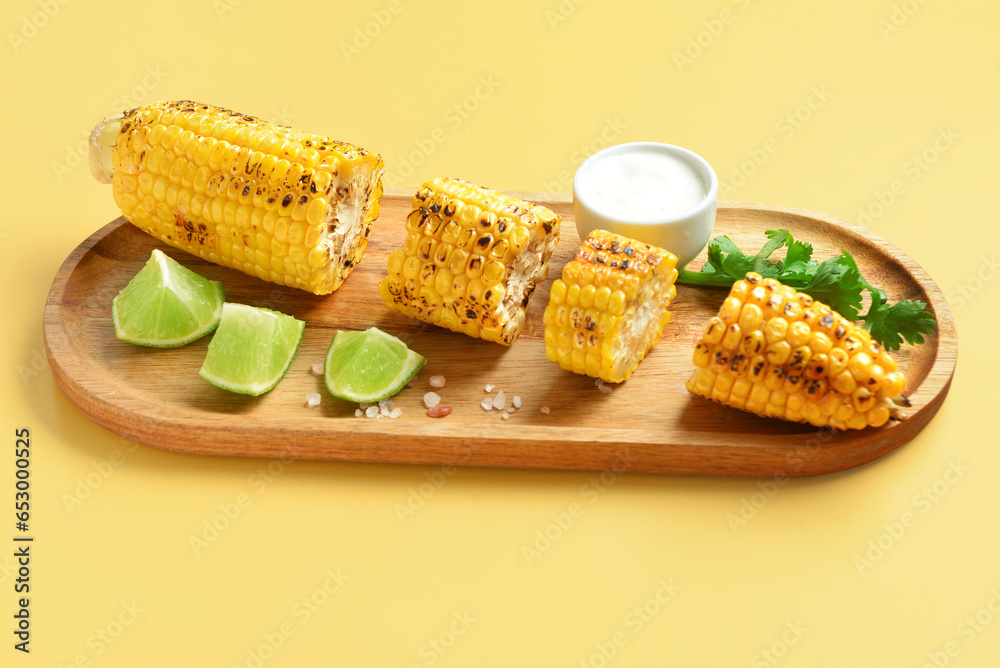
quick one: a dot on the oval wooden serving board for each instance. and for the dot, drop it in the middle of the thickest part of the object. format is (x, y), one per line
(648, 424)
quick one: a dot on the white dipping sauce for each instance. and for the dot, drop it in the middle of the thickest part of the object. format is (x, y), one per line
(656, 193)
(642, 185)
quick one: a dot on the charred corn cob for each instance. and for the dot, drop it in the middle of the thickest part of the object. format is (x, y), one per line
(471, 259)
(610, 306)
(285, 206)
(778, 353)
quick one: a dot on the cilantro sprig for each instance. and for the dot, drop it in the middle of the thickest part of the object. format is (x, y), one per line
(836, 281)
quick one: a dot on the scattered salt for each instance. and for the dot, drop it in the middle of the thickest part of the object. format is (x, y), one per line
(432, 399)
(317, 367)
(437, 381)
(358, 413)
(517, 401)
(395, 413)
(313, 399)
(489, 387)
(500, 401)
(371, 411)
(487, 404)
(505, 416)
(545, 409)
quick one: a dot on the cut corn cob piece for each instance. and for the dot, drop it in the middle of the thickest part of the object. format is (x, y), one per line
(610, 306)
(471, 259)
(778, 353)
(285, 206)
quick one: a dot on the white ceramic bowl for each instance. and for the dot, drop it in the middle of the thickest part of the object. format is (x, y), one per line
(642, 204)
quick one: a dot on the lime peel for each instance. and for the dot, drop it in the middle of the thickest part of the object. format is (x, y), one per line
(166, 305)
(368, 366)
(252, 349)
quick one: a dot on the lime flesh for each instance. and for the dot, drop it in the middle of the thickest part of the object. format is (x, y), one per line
(252, 349)
(368, 366)
(166, 305)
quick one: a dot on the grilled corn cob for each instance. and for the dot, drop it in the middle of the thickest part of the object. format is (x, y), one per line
(471, 259)
(285, 206)
(778, 353)
(610, 306)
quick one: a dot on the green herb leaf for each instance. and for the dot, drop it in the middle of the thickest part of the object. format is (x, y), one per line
(798, 274)
(798, 251)
(838, 285)
(776, 239)
(903, 320)
(836, 281)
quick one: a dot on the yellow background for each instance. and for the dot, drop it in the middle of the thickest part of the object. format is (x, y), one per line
(868, 84)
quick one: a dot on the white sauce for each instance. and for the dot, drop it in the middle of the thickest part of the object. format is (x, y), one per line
(642, 186)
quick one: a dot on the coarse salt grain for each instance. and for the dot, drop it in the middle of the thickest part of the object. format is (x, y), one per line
(313, 399)
(358, 413)
(395, 413)
(317, 367)
(371, 411)
(517, 401)
(437, 381)
(545, 409)
(505, 416)
(487, 404)
(500, 401)
(489, 388)
(432, 399)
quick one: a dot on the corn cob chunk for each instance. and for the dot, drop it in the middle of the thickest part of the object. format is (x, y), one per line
(285, 206)
(471, 259)
(778, 353)
(610, 306)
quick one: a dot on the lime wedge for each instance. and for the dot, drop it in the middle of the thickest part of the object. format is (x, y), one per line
(368, 366)
(166, 305)
(252, 349)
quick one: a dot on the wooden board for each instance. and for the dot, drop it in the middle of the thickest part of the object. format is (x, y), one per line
(649, 423)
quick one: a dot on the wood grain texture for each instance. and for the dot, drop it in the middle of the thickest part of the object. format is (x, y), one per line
(648, 424)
